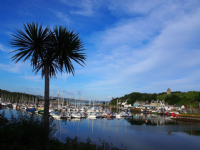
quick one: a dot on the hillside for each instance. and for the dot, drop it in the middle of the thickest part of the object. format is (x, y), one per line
(177, 97)
(15, 96)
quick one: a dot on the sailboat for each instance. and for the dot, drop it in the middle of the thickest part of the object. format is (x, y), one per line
(92, 115)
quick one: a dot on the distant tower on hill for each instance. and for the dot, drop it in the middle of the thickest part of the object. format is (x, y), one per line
(168, 91)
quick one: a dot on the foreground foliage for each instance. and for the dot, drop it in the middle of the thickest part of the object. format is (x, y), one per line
(27, 132)
(23, 132)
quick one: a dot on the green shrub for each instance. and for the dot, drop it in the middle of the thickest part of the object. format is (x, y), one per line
(24, 132)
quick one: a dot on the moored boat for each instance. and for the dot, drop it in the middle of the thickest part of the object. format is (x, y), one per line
(14, 106)
(144, 111)
(76, 115)
(148, 111)
(118, 115)
(92, 115)
(176, 114)
(161, 111)
(41, 112)
(171, 114)
(154, 112)
(109, 115)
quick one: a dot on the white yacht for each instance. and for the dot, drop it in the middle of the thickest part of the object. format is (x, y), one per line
(76, 115)
(92, 115)
(118, 115)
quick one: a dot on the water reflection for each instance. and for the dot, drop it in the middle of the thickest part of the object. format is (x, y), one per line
(138, 132)
(151, 119)
(135, 133)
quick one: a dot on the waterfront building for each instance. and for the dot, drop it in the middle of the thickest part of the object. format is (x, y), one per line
(148, 106)
(157, 103)
(138, 104)
(135, 105)
(175, 107)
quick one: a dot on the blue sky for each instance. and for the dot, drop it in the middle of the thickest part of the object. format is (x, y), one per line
(131, 46)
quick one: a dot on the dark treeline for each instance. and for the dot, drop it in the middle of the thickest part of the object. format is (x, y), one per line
(15, 96)
(176, 97)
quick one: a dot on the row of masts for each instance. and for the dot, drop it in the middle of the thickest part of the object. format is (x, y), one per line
(18, 99)
(34, 100)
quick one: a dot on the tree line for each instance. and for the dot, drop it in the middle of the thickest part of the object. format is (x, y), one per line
(177, 97)
(14, 97)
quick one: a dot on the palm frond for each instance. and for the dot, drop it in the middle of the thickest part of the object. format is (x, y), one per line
(30, 43)
(68, 46)
(56, 48)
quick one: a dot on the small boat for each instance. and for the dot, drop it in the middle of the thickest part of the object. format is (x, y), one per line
(76, 115)
(145, 111)
(171, 114)
(23, 107)
(176, 114)
(123, 114)
(103, 115)
(14, 106)
(118, 115)
(41, 112)
(82, 109)
(91, 115)
(113, 115)
(109, 115)
(98, 115)
(129, 114)
(30, 108)
(148, 111)
(3, 104)
(154, 112)
(161, 111)
(65, 115)
(83, 115)
(9, 105)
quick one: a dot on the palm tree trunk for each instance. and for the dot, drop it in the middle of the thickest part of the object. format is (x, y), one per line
(46, 105)
(46, 95)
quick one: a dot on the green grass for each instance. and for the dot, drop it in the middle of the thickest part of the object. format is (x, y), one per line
(194, 114)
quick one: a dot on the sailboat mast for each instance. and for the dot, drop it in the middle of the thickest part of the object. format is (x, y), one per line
(89, 101)
(58, 98)
(75, 102)
(63, 100)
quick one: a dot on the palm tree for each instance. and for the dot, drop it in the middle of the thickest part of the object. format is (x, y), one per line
(49, 52)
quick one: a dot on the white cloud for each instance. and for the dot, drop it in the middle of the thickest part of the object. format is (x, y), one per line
(138, 52)
(11, 67)
(133, 6)
(63, 17)
(84, 8)
(7, 33)
(4, 48)
(146, 7)
(63, 76)
(36, 78)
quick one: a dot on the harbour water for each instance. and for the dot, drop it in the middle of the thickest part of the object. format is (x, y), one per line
(138, 132)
